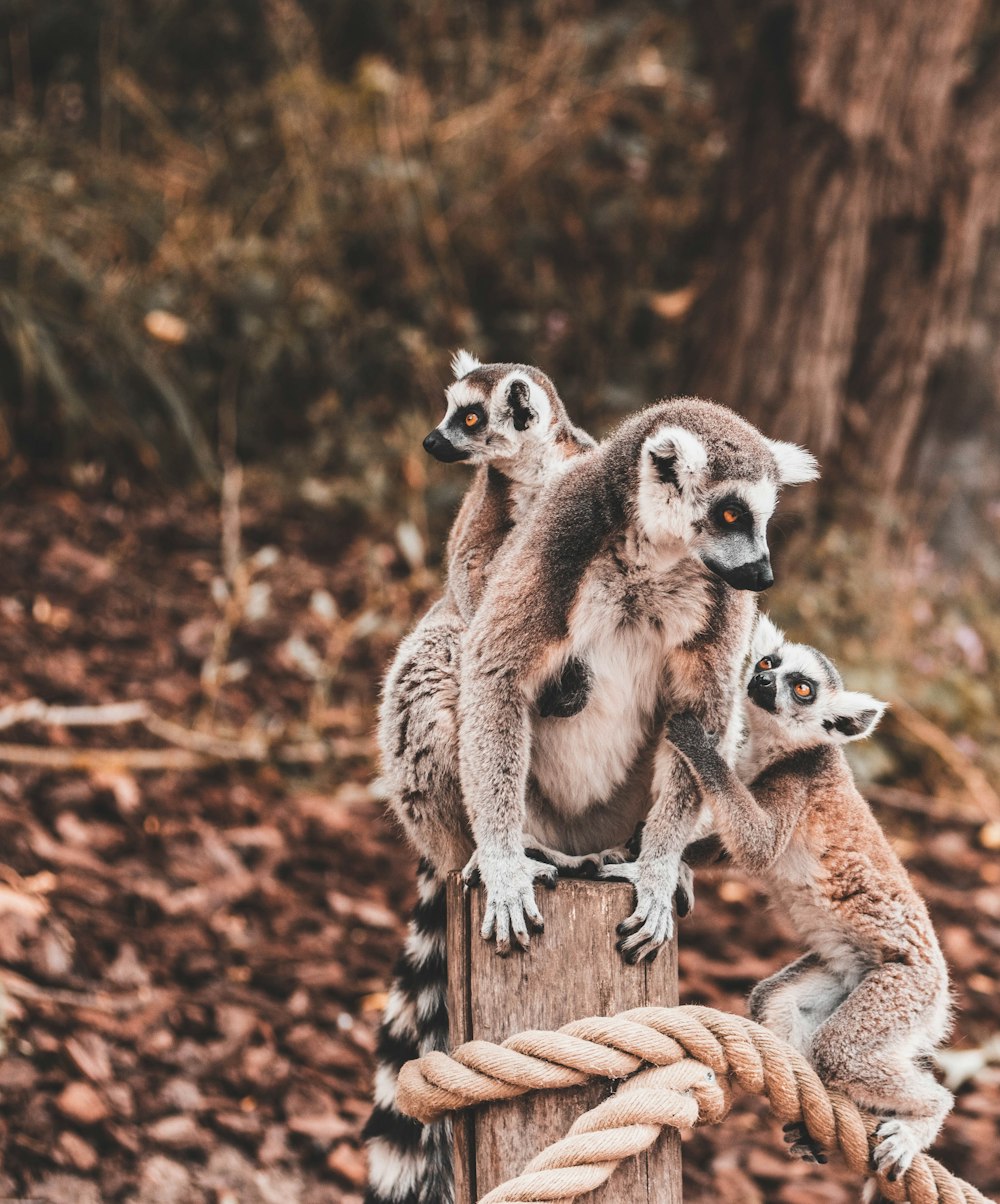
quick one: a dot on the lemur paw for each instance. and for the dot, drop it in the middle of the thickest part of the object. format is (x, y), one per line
(684, 894)
(571, 865)
(511, 910)
(625, 871)
(591, 865)
(896, 1147)
(685, 730)
(801, 1145)
(567, 864)
(615, 856)
(652, 923)
(540, 862)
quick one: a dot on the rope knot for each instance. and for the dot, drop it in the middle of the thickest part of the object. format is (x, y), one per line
(676, 1068)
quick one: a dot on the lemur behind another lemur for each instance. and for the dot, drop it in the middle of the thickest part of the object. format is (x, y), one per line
(508, 421)
(870, 999)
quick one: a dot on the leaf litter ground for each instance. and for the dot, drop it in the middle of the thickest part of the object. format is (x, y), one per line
(193, 962)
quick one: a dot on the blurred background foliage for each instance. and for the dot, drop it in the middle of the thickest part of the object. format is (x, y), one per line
(292, 212)
(312, 205)
(239, 242)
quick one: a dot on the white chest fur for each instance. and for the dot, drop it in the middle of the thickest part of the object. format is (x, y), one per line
(627, 618)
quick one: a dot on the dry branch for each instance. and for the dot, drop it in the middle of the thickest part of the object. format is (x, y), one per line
(897, 798)
(191, 749)
(98, 1001)
(33, 710)
(925, 731)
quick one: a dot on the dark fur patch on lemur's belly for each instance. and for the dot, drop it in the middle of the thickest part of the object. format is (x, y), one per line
(567, 694)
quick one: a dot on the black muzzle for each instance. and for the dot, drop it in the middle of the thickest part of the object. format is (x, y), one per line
(440, 448)
(755, 576)
(763, 690)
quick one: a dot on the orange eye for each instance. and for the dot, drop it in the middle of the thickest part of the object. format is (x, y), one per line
(471, 419)
(802, 689)
(730, 515)
(765, 663)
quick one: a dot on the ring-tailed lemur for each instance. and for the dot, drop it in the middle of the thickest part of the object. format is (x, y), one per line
(634, 565)
(509, 422)
(870, 999)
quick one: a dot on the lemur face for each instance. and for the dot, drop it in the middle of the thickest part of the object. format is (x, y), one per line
(796, 691)
(713, 486)
(493, 411)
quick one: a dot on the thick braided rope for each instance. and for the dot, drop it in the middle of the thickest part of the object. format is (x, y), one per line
(620, 1127)
(697, 1039)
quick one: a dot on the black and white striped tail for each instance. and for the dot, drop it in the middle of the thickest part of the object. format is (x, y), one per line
(411, 1163)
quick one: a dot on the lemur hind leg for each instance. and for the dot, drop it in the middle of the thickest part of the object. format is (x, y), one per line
(871, 1047)
(793, 1003)
(410, 1163)
(418, 738)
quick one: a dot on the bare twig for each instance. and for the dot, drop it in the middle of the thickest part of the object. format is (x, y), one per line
(94, 760)
(237, 572)
(191, 749)
(126, 88)
(899, 799)
(98, 1001)
(232, 475)
(46, 354)
(925, 731)
(33, 710)
(251, 748)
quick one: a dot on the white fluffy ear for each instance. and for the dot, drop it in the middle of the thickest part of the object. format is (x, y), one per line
(795, 464)
(462, 363)
(854, 716)
(767, 638)
(677, 456)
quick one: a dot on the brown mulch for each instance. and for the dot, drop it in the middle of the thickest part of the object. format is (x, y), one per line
(193, 963)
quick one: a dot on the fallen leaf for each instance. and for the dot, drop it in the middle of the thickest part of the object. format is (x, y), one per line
(80, 1102)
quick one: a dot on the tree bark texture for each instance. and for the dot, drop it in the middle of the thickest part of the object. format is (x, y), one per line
(860, 209)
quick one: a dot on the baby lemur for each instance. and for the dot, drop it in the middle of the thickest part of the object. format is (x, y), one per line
(869, 1001)
(507, 421)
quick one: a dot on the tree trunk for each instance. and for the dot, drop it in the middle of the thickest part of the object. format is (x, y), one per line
(860, 200)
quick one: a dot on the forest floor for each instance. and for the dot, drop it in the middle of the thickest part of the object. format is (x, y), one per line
(193, 957)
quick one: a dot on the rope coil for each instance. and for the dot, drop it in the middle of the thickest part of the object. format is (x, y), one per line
(690, 1055)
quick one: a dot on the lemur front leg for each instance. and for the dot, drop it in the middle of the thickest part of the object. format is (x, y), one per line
(755, 829)
(494, 753)
(659, 875)
(869, 1049)
(418, 737)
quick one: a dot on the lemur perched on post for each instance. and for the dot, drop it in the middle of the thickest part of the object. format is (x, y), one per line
(509, 422)
(637, 566)
(870, 999)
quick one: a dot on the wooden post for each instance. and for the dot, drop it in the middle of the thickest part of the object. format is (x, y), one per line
(572, 970)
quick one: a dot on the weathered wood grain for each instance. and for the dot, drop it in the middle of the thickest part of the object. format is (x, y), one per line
(572, 970)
